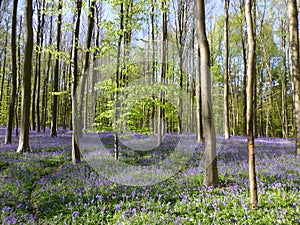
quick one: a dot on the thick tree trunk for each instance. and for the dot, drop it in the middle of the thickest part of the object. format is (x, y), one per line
(294, 66)
(250, 80)
(26, 94)
(211, 169)
(11, 111)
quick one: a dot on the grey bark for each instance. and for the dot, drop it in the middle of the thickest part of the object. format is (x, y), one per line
(211, 169)
(250, 80)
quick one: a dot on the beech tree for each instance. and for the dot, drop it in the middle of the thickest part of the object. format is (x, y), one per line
(56, 73)
(163, 67)
(250, 80)
(87, 58)
(26, 90)
(226, 71)
(211, 169)
(11, 111)
(74, 72)
(294, 66)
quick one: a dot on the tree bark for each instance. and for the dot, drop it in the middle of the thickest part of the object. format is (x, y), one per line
(250, 80)
(284, 113)
(3, 70)
(117, 79)
(198, 99)
(181, 32)
(18, 110)
(163, 67)
(294, 66)
(45, 83)
(11, 111)
(226, 72)
(56, 74)
(87, 59)
(26, 94)
(74, 70)
(40, 41)
(211, 169)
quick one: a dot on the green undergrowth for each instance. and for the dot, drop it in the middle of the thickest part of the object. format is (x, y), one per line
(45, 188)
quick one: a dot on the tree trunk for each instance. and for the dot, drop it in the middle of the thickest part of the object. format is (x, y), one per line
(198, 99)
(11, 111)
(38, 70)
(117, 79)
(45, 83)
(87, 59)
(153, 59)
(74, 69)
(294, 66)
(284, 113)
(163, 68)
(56, 74)
(250, 80)
(211, 169)
(26, 94)
(18, 110)
(226, 72)
(3, 70)
(181, 32)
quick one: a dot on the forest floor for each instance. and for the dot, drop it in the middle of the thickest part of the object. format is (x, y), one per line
(43, 187)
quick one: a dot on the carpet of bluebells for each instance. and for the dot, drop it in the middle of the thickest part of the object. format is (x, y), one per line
(43, 187)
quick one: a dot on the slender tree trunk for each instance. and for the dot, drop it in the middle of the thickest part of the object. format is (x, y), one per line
(26, 95)
(294, 66)
(45, 83)
(33, 124)
(87, 58)
(74, 69)
(211, 169)
(192, 82)
(226, 72)
(199, 99)
(56, 74)
(261, 126)
(117, 79)
(153, 58)
(40, 41)
(95, 64)
(3, 71)
(11, 111)
(284, 113)
(250, 80)
(254, 72)
(18, 110)
(180, 38)
(163, 67)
